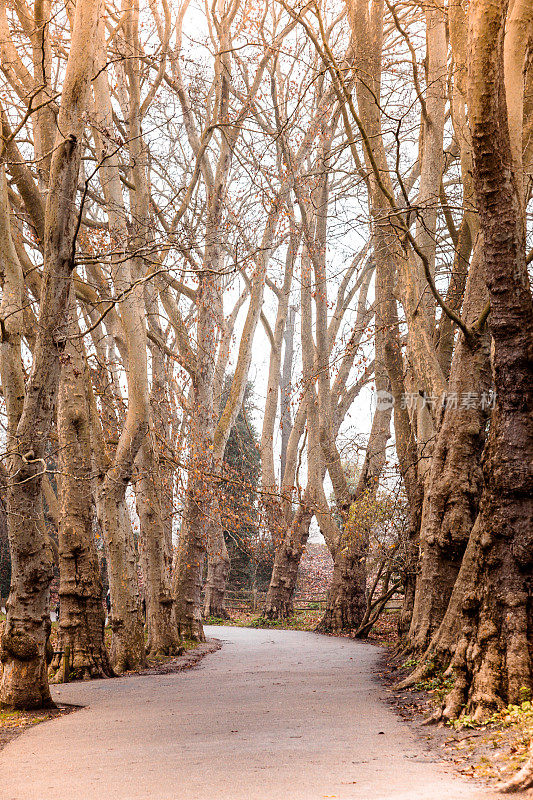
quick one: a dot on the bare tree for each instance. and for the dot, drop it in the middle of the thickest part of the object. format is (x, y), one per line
(24, 681)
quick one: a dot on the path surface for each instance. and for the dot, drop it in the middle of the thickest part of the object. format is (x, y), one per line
(274, 715)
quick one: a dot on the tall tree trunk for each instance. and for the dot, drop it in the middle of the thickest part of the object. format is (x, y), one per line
(493, 661)
(207, 438)
(127, 641)
(155, 556)
(485, 633)
(155, 499)
(187, 579)
(393, 262)
(286, 562)
(218, 566)
(291, 531)
(455, 481)
(25, 634)
(81, 619)
(24, 681)
(5, 557)
(114, 475)
(295, 525)
(346, 603)
(285, 387)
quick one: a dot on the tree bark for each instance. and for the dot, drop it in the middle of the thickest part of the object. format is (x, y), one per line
(217, 567)
(155, 556)
(155, 503)
(279, 603)
(127, 640)
(81, 618)
(290, 533)
(391, 262)
(346, 603)
(285, 386)
(114, 474)
(484, 635)
(187, 578)
(205, 451)
(455, 481)
(492, 661)
(24, 681)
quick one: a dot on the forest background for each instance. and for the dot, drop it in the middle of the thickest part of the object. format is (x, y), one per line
(265, 267)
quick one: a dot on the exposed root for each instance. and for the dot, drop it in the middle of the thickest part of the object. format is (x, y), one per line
(423, 671)
(164, 652)
(215, 613)
(523, 779)
(281, 611)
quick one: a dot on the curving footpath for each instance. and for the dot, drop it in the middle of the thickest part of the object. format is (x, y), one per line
(273, 715)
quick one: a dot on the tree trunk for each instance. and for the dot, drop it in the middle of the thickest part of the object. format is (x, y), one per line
(24, 681)
(155, 494)
(492, 662)
(27, 627)
(114, 475)
(393, 262)
(346, 603)
(218, 565)
(155, 557)
(81, 620)
(486, 628)
(187, 579)
(291, 528)
(217, 568)
(127, 641)
(5, 557)
(207, 443)
(217, 573)
(296, 525)
(455, 481)
(286, 562)
(285, 387)
(112, 478)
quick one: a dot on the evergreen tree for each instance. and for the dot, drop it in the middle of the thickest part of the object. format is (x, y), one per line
(251, 553)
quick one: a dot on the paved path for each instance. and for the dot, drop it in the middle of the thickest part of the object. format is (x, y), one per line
(274, 715)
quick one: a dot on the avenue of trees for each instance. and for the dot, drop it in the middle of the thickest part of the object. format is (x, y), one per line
(265, 266)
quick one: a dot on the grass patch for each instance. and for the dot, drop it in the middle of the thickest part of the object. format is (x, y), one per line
(188, 644)
(300, 621)
(383, 633)
(498, 746)
(12, 719)
(216, 621)
(520, 715)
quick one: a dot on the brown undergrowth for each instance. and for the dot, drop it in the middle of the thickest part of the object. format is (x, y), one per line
(383, 633)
